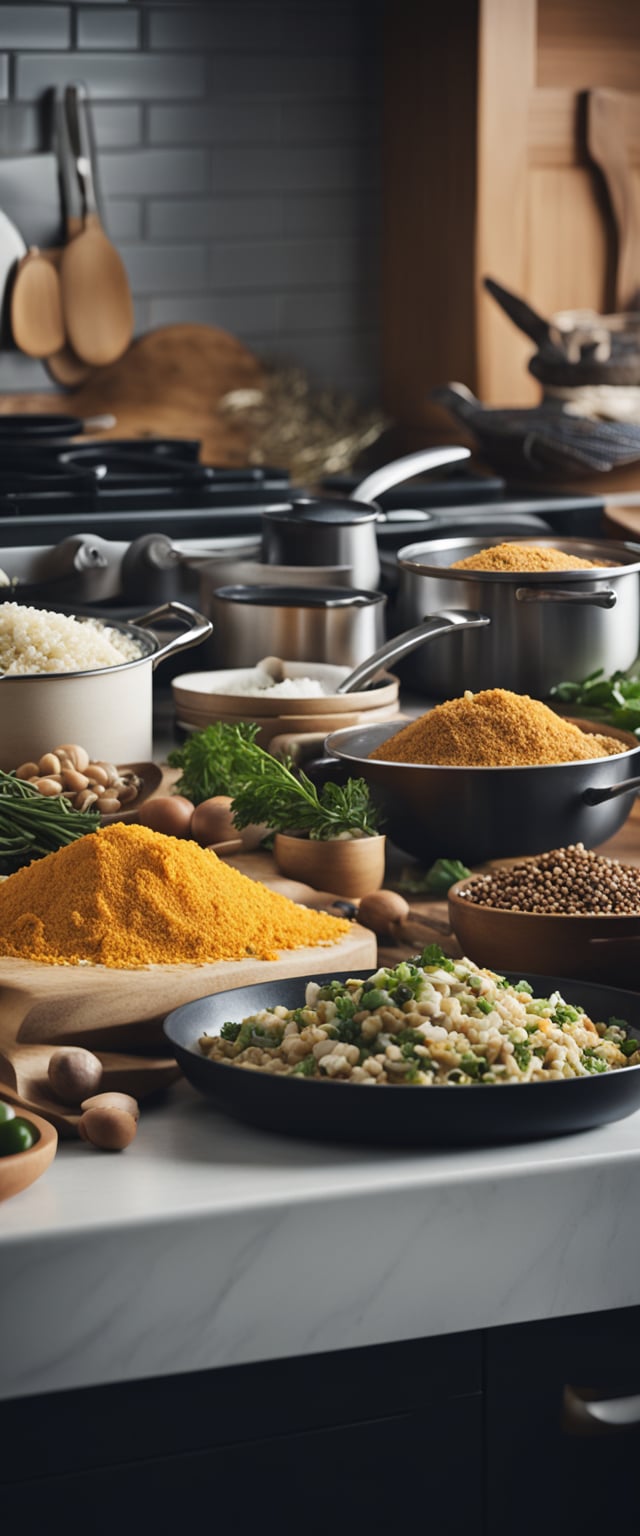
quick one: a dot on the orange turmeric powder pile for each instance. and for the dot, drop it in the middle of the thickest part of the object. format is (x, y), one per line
(127, 897)
(494, 729)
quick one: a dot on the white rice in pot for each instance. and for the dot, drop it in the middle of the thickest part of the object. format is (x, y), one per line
(33, 640)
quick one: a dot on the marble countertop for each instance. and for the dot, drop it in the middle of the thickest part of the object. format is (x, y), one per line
(209, 1244)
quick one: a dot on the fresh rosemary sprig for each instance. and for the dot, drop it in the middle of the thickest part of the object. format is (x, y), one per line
(32, 825)
(225, 759)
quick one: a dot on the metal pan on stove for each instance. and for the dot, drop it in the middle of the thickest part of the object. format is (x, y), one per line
(394, 1116)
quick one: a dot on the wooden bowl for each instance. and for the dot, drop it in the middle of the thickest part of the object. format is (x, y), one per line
(590, 948)
(21, 1169)
(349, 867)
(151, 775)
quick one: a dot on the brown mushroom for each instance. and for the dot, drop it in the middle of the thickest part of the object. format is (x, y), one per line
(74, 1073)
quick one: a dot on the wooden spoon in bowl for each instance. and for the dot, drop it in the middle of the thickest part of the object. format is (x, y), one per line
(96, 299)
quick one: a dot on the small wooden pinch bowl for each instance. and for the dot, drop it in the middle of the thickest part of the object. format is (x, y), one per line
(347, 866)
(20, 1169)
(590, 948)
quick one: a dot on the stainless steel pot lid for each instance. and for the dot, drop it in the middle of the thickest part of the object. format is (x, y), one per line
(299, 597)
(436, 557)
(306, 509)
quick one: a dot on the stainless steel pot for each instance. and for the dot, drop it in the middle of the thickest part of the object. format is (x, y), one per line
(108, 709)
(335, 624)
(546, 626)
(480, 813)
(312, 531)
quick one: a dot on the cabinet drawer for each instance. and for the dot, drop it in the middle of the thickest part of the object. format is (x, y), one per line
(378, 1476)
(551, 1466)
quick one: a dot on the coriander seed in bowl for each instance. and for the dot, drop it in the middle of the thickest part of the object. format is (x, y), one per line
(570, 907)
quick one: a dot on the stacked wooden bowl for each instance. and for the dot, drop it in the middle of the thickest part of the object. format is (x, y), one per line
(204, 698)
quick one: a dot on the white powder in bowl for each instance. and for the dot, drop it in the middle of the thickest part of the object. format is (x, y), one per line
(259, 682)
(33, 640)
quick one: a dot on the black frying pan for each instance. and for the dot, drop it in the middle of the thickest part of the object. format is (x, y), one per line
(402, 1117)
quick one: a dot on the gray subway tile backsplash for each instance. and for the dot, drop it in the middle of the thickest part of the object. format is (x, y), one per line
(117, 126)
(238, 147)
(251, 313)
(214, 218)
(35, 26)
(124, 219)
(111, 75)
(226, 120)
(166, 269)
(107, 27)
(144, 171)
(283, 264)
(290, 168)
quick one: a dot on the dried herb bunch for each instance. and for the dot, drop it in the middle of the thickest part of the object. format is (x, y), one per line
(308, 431)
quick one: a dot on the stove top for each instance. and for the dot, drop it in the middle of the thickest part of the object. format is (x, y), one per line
(52, 489)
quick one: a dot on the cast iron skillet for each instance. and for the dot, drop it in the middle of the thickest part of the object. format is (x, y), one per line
(403, 1117)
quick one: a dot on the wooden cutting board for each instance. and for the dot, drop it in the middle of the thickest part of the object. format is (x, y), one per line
(168, 384)
(117, 1012)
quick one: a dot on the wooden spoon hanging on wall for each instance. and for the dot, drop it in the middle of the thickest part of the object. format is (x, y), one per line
(96, 299)
(64, 365)
(37, 322)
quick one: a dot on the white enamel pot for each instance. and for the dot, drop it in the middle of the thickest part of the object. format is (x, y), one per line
(107, 710)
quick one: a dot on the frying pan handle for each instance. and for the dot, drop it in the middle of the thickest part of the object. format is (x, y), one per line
(401, 645)
(612, 792)
(197, 628)
(404, 469)
(605, 597)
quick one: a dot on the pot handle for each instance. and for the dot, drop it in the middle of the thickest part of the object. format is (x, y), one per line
(612, 792)
(605, 597)
(412, 464)
(401, 645)
(197, 628)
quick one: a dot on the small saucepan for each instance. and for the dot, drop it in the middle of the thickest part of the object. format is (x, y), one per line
(108, 709)
(311, 531)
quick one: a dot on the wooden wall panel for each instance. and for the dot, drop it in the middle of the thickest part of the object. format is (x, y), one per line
(584, 44)
(486, 173)
(506, 73)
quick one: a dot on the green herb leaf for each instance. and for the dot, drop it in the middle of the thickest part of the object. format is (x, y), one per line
(435, 881)
(432, 956)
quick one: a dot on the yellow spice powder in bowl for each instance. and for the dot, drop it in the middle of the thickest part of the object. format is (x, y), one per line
(493, 729)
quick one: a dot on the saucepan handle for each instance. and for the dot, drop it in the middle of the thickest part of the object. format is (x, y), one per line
(384, 479)
(612, 792)
(605, 597)
(401, 645)
(197, 628)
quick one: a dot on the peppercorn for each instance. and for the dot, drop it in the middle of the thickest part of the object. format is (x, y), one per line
(567, 882)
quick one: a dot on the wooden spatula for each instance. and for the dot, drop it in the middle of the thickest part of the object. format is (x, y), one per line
(96, 300)
(606, 142)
